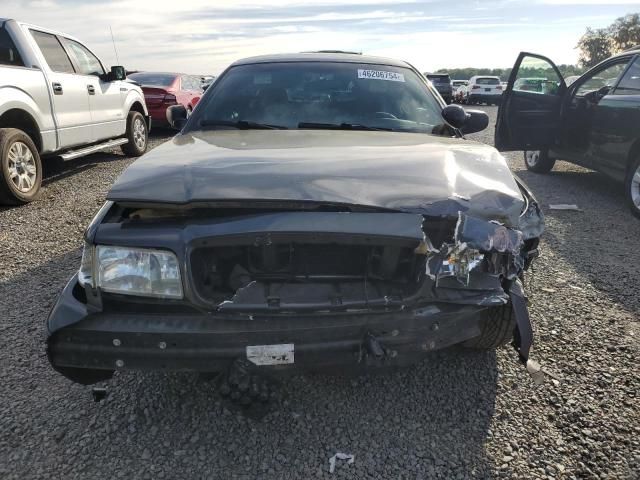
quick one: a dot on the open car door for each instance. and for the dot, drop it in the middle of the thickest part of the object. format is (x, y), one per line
(529, 114)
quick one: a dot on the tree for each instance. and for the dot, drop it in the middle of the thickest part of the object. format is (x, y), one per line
(600, 44)
(625, 32)
(595, 46)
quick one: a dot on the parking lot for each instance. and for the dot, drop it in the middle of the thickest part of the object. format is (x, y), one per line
(458, 414)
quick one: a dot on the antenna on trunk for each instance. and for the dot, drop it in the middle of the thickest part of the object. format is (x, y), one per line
(114, 45)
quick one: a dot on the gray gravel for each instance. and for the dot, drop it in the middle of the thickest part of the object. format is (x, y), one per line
(458, 414)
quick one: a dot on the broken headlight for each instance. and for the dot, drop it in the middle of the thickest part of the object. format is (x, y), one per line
(85, 274)
(138, 271)
(460, 264)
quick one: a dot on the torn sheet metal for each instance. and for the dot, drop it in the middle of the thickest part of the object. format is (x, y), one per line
(340, 456)
(531, 222)
(487, 236)
(477, 240)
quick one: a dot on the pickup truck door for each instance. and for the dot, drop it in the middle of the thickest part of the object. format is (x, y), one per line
(68, 92)
(105, 98)
(529, 119)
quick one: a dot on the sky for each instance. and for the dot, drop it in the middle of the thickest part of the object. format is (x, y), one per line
(204, 36)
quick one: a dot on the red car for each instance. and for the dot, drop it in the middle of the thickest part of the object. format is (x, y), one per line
(161, 90)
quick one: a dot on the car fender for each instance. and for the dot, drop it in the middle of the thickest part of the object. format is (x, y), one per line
(13, 97)
(135, 95)
(16, 98)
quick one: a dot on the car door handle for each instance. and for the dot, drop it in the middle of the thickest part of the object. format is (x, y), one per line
(91, 89)
(57, 88)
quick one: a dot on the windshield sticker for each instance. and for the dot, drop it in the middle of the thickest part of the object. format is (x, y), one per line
(380, 75)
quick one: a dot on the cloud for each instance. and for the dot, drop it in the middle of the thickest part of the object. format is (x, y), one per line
(589, 2)
(201, 36)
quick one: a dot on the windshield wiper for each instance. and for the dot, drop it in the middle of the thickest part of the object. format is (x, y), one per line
(240, 125)
(341, 126)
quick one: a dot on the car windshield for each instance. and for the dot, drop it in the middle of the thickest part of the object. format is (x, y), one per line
(320, 95)
(153, 79)
(487, 81)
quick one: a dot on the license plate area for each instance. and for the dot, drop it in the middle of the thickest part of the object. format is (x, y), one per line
(280, 354)
(487, 89)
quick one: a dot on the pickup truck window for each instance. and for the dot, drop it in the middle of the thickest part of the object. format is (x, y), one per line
(8, 52)
(85, 60)
(54, 54)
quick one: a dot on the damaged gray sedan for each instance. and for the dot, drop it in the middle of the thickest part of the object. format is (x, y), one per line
(316, 210)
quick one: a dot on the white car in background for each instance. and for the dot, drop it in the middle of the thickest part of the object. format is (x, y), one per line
(458, 89)
(484, 89)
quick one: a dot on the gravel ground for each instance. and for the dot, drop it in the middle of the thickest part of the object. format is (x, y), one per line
(458, 414)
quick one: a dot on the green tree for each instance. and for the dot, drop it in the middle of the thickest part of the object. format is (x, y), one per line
(600, 44)
(625, 32)
(595, 46)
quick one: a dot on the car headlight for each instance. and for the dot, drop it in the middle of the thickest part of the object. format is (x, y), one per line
(136, 271)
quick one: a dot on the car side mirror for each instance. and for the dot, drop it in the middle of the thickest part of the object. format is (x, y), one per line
(476, 122)
(177, 116)
(467, 121)
(117, 72)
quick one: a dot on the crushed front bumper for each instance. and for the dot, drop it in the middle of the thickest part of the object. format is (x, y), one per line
(94, 344)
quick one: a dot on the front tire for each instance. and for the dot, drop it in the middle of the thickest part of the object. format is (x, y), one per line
(496, 329)
(632, 187)
(20, 168)
(137, 134)
(538, 161)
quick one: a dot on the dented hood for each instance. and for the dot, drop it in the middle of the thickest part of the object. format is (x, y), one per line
(409, 172)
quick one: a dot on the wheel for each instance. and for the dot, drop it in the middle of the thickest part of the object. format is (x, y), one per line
(496, 329)
(632, 187)
(538, 161)
(21, 168)
(137, 134)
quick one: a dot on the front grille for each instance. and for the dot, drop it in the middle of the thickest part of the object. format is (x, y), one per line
(218, 273)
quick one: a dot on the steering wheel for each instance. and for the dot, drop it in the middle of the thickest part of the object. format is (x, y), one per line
(388, 115)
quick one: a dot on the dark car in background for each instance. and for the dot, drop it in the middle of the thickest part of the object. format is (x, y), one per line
(442, 82)
(594, 122)
(317, 210)
(163, 90)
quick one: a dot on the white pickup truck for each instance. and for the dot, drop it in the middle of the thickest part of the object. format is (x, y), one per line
(57, 100)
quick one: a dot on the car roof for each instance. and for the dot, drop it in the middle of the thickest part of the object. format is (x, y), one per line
(41, 29)
(633, 50)
(335, 57)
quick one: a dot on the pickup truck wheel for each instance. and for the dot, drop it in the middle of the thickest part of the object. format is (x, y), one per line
(632, 187)
(137, 134)
(496, 329)
(21, 168)
(538, 161)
